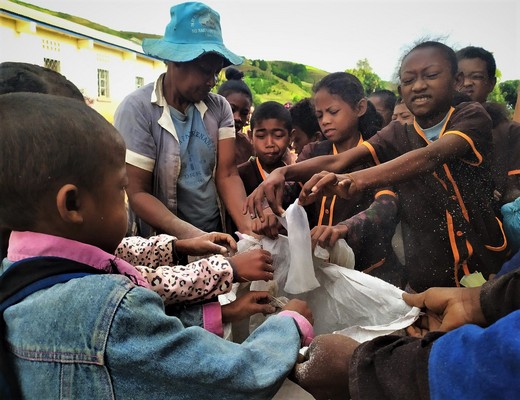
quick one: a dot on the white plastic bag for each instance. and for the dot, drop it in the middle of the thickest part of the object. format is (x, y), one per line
(358, 305)
(344, 300)
(301, 276)
(341, 254)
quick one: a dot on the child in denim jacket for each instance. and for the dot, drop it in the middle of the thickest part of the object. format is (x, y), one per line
(105, 334)
(156, 258)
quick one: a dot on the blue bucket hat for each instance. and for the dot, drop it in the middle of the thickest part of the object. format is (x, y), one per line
(194, 30)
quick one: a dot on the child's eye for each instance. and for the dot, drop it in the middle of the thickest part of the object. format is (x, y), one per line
(432, 76)
(476, 77)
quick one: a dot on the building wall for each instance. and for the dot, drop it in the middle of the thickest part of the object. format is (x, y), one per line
(79, 58)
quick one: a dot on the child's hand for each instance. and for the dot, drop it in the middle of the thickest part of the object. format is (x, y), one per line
(324, 373)
(209, 243)
(270, 227)
(245, 306)
(254, 265)
(327, 184)
(327, 236)
(427, 322)
(270, 189)
(301, 308)
(447, 308)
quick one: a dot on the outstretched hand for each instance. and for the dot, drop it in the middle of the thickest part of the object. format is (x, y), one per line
(326, 184)
(327, 236)
(253, 265)
(249, 304)
(269, 227)
(445, 309)
(209, 243)
(270, 190)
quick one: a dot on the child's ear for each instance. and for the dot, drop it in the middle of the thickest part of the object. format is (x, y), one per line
(291, 134)
(362, 107)
(399, 91)
(68, 204)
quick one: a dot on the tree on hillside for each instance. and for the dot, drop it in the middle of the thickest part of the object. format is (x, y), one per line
(262, 64)
(509, 91)
(369, 79)
(299, 71)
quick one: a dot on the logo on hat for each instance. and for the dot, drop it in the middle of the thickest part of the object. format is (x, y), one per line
(204, 22)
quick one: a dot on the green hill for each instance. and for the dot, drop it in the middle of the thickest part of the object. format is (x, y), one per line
(133, 36)
(279, 81)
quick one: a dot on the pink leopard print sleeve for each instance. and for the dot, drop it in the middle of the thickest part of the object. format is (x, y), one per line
(153, 258)
(152, 252)
(199, 280)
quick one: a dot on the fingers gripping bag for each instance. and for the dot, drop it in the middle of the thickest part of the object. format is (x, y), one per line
(342, 299)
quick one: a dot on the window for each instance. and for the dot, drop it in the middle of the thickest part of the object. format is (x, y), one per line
(103, 83)
(139, 81)
(50, 63)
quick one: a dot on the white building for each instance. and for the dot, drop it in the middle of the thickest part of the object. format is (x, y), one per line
(104, 67)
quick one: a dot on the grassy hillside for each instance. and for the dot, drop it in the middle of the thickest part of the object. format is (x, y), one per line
(134, 36)
(280, 81)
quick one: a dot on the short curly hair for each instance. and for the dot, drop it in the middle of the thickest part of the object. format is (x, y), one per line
(303, 116)
(483, 54)
(60, 141)
(24, 77)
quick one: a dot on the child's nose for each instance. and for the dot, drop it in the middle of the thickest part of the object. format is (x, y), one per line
(467, 81)
(419, 84)
(324, 120)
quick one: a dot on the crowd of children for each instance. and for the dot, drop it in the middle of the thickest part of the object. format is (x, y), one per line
(440, 168)
(137, 319)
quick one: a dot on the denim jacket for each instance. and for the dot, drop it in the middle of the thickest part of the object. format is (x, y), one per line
(103, 337)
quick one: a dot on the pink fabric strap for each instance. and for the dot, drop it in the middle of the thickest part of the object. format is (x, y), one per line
(304, 326)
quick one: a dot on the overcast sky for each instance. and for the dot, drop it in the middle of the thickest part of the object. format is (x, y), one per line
(331, 34)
